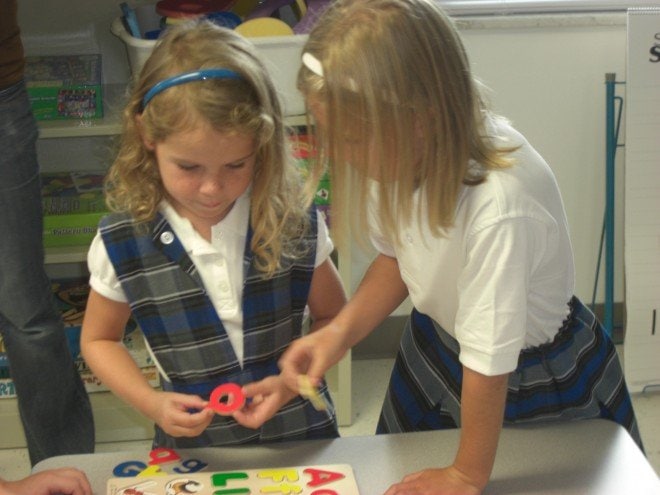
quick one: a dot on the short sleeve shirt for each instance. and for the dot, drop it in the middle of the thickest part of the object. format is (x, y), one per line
(219, 263)
(500, 279)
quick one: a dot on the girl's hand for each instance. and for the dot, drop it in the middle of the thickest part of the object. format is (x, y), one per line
(445, 481)
(181, 415)
(311, 355)
(63, 481)
(268, 396)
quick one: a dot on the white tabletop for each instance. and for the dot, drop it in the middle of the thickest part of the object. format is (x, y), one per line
(594, 457)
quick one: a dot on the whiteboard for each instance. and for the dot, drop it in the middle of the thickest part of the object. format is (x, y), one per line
(642, 200)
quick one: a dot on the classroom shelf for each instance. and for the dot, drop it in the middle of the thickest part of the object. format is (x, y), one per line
(66, 254)
(114, 421)
(109, 125)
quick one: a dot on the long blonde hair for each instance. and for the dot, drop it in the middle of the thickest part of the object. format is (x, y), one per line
(248, 105)
(401, 105)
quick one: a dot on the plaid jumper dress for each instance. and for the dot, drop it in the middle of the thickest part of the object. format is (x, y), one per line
(576, 376)
(169, 301)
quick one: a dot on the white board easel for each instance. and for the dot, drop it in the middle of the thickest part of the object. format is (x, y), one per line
(642, 201)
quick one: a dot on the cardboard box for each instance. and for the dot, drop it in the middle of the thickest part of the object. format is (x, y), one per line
(65, 86)
(72, 192)
(73, 204)
(70, 230)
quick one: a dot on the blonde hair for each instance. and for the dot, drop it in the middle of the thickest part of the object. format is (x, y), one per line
(396, 81)
(248, 105)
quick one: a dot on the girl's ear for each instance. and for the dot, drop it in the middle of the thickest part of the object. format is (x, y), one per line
(149, 144)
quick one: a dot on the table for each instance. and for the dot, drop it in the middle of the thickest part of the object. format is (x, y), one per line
(595, 457)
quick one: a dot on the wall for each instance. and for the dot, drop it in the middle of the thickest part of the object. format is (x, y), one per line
(546, 74)
(549, 79)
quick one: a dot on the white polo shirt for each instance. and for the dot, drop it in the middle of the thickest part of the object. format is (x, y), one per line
(501, 280)
(219, 263)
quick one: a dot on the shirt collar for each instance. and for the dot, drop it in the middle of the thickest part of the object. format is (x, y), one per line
(234, 224)
(237, 219)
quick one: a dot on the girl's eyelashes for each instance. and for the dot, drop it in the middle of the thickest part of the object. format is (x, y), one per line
(192, 168)
(241, 162)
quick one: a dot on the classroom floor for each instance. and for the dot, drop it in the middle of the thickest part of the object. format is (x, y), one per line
(370, 377)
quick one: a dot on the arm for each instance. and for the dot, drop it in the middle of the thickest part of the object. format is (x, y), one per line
(326, 298)
(66, 481)
(380, 292)
(326, 295)
(102, 348)
(483, 399)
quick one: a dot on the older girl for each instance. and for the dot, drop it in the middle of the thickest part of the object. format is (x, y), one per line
(467, 219)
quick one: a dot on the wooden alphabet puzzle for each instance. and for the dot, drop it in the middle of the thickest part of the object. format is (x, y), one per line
(334, 479)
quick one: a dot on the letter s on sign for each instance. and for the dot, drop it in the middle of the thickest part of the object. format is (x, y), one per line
(655, 53)
(655, 49)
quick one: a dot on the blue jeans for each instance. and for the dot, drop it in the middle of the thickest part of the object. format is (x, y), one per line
(54, 406)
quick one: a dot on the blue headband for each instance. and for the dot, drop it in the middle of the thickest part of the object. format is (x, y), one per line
(186, 77)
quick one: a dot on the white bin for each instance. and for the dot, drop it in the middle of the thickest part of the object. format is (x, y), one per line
(281, 55)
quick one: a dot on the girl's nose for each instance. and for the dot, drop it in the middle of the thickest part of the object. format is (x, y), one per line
(212, 185)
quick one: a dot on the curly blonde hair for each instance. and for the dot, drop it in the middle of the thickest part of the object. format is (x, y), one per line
(248, 105)
(401, 105)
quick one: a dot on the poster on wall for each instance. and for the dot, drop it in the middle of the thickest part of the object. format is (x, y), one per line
(642, 201)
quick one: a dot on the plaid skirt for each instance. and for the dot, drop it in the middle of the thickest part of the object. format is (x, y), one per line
(576, 376)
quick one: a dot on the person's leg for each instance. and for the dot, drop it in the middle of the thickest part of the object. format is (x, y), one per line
(53, 403)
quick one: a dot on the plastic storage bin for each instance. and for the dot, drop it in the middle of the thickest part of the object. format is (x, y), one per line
(280, 53)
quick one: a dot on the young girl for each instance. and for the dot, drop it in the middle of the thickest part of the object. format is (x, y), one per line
(211, 248)
(468, 221)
